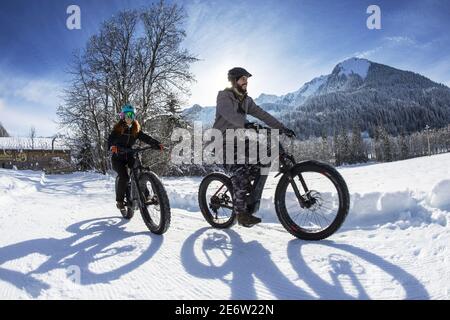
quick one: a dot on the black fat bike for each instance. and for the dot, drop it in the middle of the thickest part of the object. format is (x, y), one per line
(311, 197)
(146, 192)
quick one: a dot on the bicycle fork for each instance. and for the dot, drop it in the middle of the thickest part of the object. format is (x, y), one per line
(300, 198)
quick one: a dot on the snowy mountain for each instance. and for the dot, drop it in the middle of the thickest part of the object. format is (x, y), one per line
(294, 98)
(207, 115)
(353, 66)
(357, 92)
(369, 94)
(349, 75)
(198, 113)
(394, 243)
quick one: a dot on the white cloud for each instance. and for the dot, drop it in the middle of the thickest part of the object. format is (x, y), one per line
(18, 122)
(366, 54)
(43, 92)
(401, 40)
(28, 102)
(387, 43)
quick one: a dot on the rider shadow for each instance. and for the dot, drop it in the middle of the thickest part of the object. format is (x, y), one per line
(344, 265)
(245, 261)
(100, 236)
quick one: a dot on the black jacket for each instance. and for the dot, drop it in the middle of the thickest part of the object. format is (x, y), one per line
(127, 139)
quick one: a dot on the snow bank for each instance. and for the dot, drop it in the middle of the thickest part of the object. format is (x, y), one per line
(13, 185)
(401, 209)
(392, 209)
(439, 197)
(183, 192)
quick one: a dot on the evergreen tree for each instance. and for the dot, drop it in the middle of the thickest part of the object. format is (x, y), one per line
(404, 148)
(325, 153)
(345, 147)
(386, 146)
(377, 144)
(357, 152)
(337, 149)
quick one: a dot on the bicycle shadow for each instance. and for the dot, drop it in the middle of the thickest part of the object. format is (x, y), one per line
(92, 241)
(243, 266)
(246, 261)
(341, 264)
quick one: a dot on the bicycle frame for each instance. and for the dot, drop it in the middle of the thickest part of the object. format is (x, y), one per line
(287, 163)
(137, 202)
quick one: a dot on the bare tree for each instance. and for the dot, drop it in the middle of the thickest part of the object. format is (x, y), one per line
(32, 136)
(82, 111)
(122, 65)
(163, 66)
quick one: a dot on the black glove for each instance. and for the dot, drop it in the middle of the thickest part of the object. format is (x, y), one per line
(156, 145)
(290, 133)
(251, 125)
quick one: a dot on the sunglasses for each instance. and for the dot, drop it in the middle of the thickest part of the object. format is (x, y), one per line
(129, 115)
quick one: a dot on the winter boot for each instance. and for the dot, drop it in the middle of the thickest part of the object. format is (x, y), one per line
(247, 220)
(120, 205)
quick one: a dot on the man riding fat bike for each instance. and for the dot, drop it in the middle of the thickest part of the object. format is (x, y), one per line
(233, 106)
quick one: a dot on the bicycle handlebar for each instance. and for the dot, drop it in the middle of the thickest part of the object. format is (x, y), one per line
(257, 127)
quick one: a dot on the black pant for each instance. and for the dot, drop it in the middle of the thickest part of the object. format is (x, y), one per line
(241, 176)
(119, 165)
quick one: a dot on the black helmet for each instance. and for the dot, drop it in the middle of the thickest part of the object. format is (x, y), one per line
(237, 72)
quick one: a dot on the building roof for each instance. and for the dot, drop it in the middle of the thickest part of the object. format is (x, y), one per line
(25, 143)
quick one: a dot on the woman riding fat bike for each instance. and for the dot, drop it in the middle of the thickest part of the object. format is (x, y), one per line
(124, 135)
(137, 184)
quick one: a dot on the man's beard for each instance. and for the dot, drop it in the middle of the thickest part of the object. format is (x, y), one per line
(240, 89)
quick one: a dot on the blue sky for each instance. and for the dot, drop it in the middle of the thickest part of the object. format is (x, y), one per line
(282, 43)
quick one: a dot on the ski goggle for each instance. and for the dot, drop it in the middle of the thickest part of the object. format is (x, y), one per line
(128, 114)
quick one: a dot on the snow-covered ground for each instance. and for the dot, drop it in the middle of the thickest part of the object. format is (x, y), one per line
(61, 237)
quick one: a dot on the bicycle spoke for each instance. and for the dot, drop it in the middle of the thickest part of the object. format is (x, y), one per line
(297, 215)
(305, 218)
(328, 208)
(323, 217)
(316, 221)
